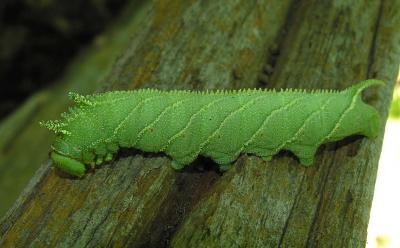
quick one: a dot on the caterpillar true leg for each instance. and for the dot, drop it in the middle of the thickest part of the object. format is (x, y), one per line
(177, 165)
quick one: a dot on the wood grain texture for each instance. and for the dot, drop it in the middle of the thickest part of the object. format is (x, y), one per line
(24, 144)
(140, 201)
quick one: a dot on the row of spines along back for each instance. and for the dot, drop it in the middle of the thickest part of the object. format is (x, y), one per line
(93, 99)
(359, 86)
(217, 91)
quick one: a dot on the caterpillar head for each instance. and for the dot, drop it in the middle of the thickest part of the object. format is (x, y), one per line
(66, 158)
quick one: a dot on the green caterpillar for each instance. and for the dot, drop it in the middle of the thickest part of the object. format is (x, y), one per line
(220, 125)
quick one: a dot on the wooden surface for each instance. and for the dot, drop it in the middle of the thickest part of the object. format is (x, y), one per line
(24, 145)
(138, 200)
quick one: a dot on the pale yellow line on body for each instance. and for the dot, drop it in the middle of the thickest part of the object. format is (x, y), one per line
(303, 126)
(175, 136)
(351, 106)
(171, 106)
(225, 120)
(115, 132)
(249, 141)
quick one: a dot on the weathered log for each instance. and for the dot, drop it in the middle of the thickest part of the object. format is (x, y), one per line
(24, 145)
(139, 200)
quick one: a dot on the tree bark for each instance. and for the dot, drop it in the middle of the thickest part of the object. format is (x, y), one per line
(140, 201)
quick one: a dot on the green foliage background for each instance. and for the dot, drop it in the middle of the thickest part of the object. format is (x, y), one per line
(395, 107)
